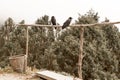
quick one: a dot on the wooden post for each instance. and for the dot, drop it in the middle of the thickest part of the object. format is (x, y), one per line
(27, 40)
(81, 53)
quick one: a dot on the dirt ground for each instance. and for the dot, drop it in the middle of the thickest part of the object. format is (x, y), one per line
(11, 76)
(16, 76)
(8, 74)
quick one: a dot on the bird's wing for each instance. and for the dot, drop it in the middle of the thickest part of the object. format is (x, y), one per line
(53, 20)
(66, 23)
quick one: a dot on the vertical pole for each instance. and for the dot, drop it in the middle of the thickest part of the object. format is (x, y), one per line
(81, 53)
(27, 40)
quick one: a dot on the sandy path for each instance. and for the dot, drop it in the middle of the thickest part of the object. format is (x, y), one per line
(12, 76)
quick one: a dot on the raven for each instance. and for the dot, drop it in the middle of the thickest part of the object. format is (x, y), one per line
(107, 20)
(53, 20)
(67, 22)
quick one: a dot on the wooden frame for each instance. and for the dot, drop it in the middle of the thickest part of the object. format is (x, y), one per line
(81, 38)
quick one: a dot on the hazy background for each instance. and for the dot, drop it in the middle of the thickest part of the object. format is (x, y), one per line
(30, 10)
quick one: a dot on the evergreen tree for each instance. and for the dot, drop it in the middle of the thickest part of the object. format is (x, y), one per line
(101, 49)
(99, 61)
(6, 31)
(40, 39)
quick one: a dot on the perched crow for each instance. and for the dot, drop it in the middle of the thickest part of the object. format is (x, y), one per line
(106, 19)
(67, 22)
(53, 20)
(96, 17)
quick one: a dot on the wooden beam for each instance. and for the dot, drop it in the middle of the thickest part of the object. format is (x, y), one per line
(78, 25)
(81, 53)
(94, 24)
(37, 25)
(26, 57)
(27, 40)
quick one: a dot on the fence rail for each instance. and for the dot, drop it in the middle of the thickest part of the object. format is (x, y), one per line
(78, 25)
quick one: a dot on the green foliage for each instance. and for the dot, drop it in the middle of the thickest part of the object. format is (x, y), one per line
(40, 38)
(101, 49)
(90, 17)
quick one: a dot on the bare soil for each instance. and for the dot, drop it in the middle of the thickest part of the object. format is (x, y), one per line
(7, 73)
(17, 76)
(12, 76)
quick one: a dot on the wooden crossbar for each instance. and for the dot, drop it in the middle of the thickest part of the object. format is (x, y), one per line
(77, 25)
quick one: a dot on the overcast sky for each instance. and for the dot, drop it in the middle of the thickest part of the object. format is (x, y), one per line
(30, 10)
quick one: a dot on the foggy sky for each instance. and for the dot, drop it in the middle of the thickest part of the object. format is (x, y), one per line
(30, 10)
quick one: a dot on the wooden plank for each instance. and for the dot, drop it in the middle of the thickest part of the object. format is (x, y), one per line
(44, 76)
(50, 75)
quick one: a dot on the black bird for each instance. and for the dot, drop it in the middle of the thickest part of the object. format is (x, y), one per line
(67, 22)
(106, 19)
(53, 20)
(96, 17)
